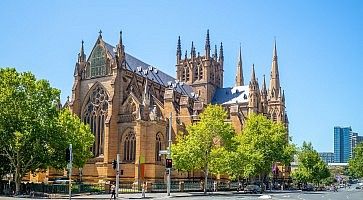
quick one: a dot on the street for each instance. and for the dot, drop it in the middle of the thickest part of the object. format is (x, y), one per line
(343, 193)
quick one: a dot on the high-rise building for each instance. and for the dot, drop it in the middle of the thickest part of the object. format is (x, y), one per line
(344, 142)
(327, 157)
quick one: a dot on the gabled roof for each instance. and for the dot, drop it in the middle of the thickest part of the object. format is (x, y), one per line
(231, 95)
(139, 67)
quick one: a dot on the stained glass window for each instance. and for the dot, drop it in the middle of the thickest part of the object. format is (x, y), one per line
(94, 114)
(98, 62)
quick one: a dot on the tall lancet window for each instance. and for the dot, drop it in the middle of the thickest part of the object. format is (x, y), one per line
(95, 114)
(98, 62)
(158, 147)
(130, 146)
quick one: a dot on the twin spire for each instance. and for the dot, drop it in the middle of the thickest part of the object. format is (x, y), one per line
(275, 89)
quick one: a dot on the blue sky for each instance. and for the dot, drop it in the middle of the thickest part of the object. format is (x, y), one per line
(320, 47)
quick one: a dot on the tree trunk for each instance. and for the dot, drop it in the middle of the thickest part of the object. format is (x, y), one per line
(17, 180)
(205, 179)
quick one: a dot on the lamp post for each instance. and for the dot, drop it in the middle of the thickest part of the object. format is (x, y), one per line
(167, 152)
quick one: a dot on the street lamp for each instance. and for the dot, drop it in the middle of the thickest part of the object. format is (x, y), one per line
(167, 152)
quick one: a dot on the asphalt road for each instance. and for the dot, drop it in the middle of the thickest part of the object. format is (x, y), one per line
(342, 194)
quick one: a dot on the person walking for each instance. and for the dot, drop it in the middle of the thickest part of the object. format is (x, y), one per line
(113, 191)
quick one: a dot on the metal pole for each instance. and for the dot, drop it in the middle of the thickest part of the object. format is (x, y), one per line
(70, 171)
(117, 174)
(169, 156)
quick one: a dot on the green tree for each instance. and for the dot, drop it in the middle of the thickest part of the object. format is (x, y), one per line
(33, 132)
(261, 144)
(355, 165)
(210, 137)
(311, 168)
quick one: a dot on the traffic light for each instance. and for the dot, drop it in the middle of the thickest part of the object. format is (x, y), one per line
(114, 164)
(168, 163)
(68, 155)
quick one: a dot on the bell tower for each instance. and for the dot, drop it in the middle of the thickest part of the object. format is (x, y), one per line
(204, 73)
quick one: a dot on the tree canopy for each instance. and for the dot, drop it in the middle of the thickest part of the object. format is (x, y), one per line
(262, 143)
(210, 136)
(34, 133)
(311, 168)
(356, 163)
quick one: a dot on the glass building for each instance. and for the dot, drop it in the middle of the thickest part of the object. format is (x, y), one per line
(344, 143)
(327, 157)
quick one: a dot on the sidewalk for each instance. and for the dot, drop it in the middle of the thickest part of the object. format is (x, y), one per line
(148, 195)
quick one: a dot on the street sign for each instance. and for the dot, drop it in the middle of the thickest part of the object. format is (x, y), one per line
(163, 152)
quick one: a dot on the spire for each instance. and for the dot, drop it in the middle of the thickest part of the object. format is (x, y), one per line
(253, 76)
(215, 52)
(221, 57)
(239, 75)
(192, 51)
(186, 55)
(283, 95)
(274, 79)
(264, 90)
(81, 55)
(120, 47)
(207, 46)
(120, 40)
(178, 51)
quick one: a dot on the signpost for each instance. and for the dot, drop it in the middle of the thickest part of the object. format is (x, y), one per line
(168, 157)
(117, 174)
(70, 170)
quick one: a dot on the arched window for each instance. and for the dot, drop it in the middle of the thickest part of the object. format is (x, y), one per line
(98, 62)
(95, 114)
(130, 147)
(158, 147)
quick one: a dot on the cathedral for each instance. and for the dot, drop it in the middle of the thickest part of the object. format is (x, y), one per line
(128, 103)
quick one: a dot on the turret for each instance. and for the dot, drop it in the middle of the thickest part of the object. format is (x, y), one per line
(254, 94)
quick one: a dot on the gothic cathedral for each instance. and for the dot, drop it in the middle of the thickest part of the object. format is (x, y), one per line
(127, 104)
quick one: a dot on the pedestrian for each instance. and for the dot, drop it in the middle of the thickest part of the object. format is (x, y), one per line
(113, 191)
(215, 186)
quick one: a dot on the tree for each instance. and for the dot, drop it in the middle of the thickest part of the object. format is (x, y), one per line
(209, 137)
(355, 165)
(262, 143)
(311, 168)
(33, 132)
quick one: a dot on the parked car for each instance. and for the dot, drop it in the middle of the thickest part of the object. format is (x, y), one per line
(63, 180)
(308, 188)
(253, 189)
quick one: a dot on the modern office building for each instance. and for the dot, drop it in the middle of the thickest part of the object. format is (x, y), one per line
(344, 142)
(327, 157)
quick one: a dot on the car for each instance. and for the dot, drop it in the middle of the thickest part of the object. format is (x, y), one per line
(62, 180)
(253, 189)
(308, 188)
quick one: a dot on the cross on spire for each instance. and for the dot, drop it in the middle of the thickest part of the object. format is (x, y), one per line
(100, 32)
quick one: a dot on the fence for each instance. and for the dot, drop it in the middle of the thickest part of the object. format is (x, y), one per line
(124, 187)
